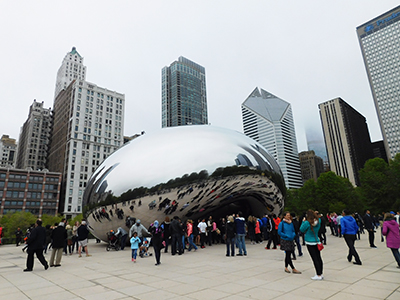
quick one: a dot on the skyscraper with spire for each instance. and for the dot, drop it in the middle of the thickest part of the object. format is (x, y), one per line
(87, 127)
(72, 68)
(268, 120)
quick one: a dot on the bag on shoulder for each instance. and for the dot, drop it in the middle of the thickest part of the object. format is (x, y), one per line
(320, 246)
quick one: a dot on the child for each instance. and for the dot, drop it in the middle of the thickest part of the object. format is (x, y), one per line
(134, 245)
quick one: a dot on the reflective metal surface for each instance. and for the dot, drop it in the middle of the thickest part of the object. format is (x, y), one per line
(188, 171)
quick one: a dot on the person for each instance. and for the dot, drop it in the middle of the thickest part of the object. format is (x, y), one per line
(287, 233)
(390, 229)
(339, 225)
(123, 236)
(251, 229)
(202, 230)
(210, 231)
(230, 231)
(139, 229)
(310, 226)
(135, 241)
(369, 225)
(349, 228)
(296, 225)
(83, 233)
(176, 234)
(1, 234)
(189, 230)
(167, 235)
(18, 236)
(322, 230)
(75, 236)
(69, 238)
(36, 242)
(58, 236)
(240, 223)
(156, 233)
(272, 236)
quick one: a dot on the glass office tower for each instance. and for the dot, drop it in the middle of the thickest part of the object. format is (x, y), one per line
(380, 45)
(268, 120)
(184, 100)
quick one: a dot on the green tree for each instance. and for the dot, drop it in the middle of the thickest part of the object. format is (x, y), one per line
(375, 185)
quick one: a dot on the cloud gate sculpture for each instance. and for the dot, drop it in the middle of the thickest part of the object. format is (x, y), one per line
(188, 171)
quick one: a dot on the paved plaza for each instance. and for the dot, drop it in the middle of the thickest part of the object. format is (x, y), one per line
(204, 274)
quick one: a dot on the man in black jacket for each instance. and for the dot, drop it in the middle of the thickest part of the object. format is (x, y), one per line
(83, 233)
(176, 234)
(36, 242)
(369, 225)
(58, 236)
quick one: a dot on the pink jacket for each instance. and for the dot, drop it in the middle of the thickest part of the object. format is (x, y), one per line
(391, 231)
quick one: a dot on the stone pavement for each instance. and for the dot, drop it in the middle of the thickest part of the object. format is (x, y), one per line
(204, 274)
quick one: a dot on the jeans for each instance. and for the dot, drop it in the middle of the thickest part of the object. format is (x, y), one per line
(396, 255)
(191, 244)
(316, 258)
(134, 253)
(297, 240)
(230, 242)
(242, 244)
(176, 239)
(350, 240)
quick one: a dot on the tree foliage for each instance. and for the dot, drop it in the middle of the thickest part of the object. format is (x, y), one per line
(379, 190)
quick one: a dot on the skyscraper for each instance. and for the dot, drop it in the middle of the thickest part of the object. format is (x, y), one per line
(34, 138)
(88, 127)
(347, 139)
(268, 120)
(72, 68)
(184, 99)
(311, 165)
(8, 151)
(380, 46)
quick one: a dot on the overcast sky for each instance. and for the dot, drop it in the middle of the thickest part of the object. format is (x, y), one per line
(304, 52)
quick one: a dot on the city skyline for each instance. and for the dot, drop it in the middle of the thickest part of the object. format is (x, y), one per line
(315, 69)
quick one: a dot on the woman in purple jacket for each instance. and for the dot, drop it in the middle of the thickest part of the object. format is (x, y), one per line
(391, 231)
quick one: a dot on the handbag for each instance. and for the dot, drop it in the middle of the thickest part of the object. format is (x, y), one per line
(319, 244)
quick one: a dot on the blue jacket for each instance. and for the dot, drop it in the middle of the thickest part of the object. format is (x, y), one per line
(286, 231)
(240, 225)
(310, 236)
(348, 225)
(135, 242)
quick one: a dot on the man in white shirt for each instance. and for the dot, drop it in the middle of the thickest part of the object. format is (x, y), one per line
(202, 230)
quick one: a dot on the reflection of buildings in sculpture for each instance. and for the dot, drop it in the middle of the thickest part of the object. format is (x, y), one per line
(193, 201)
(205, 181)
(88, 127)
(243, 160)
(268, 120)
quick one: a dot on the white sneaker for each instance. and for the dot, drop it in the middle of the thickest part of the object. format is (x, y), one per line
(316, 277)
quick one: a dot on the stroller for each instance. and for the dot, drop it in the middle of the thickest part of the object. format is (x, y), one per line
(113, 241)
(144, 248)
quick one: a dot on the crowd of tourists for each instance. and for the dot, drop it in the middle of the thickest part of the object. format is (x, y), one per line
(288, 231)
(60, 238)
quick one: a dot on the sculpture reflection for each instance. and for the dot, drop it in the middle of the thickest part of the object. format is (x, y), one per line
(189, 171)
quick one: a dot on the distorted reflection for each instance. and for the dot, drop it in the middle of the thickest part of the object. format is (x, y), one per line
(189, 171)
